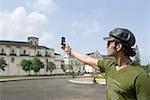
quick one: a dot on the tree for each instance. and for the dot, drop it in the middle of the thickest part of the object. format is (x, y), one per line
(26, 65)
(50, 67)
(146, 67)
(37, 65)
(137, 56)
(3, 64)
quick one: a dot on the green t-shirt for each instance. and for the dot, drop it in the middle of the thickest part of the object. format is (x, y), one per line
(129, 83)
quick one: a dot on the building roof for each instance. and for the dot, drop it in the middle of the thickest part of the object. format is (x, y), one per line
(57, 54)
(20, 44)
(97, 54)
(33, 37)
(90, 53)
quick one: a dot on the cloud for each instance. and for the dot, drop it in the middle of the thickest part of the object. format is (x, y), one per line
(21, 23)
(85, 28)
(46, 39)
(43, 6)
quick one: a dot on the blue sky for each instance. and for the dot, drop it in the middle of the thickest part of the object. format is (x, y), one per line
(84, 23)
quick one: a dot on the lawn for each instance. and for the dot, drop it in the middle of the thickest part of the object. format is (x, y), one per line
(11, 77)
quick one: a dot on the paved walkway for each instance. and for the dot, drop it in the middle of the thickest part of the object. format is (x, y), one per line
(79, 79)
(50, 89)
(32, 78)
(87, 80)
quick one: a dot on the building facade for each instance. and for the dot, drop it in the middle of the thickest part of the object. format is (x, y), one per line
(96, 55)
(14, 51)
(80, 67)
(71, 64)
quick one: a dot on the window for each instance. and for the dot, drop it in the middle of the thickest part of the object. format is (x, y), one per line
(24, 51)
(2, 50)
(12, 51)
(38, 52)
(46, 60)
(12, 60)
(46, 53)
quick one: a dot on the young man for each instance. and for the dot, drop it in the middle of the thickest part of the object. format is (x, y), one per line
(124, 79)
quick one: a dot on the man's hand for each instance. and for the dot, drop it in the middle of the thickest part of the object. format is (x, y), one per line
(66, 48)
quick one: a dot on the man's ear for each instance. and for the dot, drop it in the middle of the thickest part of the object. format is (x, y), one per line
(119, 47)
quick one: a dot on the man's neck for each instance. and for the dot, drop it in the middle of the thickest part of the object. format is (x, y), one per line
(122, 61)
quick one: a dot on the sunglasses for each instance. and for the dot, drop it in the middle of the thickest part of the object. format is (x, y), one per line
(109, 42)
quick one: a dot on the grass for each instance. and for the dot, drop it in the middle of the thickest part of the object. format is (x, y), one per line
(11, 77)
(8, 77)
(31, 76)
(100, 77)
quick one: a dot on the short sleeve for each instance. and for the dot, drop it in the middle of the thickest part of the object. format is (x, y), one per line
(142, 85)
(104, 64)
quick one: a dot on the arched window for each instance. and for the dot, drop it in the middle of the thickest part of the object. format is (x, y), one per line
(38, 52)
(12, 60)
(2, 50)
(24, 51)
(46, 53)
(12, 51)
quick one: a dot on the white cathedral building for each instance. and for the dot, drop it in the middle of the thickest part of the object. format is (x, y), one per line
(78, 66)
(14, 51)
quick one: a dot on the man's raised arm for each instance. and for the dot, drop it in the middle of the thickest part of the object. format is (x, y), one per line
(81, 57)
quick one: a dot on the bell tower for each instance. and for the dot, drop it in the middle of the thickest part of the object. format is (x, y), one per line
(33, 40)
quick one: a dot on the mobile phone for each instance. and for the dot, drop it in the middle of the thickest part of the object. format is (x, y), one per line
(62, 40)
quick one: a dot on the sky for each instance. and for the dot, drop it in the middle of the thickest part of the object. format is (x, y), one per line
(84, 23)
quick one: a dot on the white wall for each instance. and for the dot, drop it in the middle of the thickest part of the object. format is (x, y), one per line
(15, 68)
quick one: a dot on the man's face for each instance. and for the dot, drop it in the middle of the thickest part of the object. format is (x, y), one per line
(111, 51)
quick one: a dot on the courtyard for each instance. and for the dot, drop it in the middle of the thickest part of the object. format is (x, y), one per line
(50, 89)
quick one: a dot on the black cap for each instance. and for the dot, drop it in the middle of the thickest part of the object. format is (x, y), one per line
(121, 34)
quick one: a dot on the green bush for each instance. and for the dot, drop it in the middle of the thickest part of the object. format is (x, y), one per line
(99, 77)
